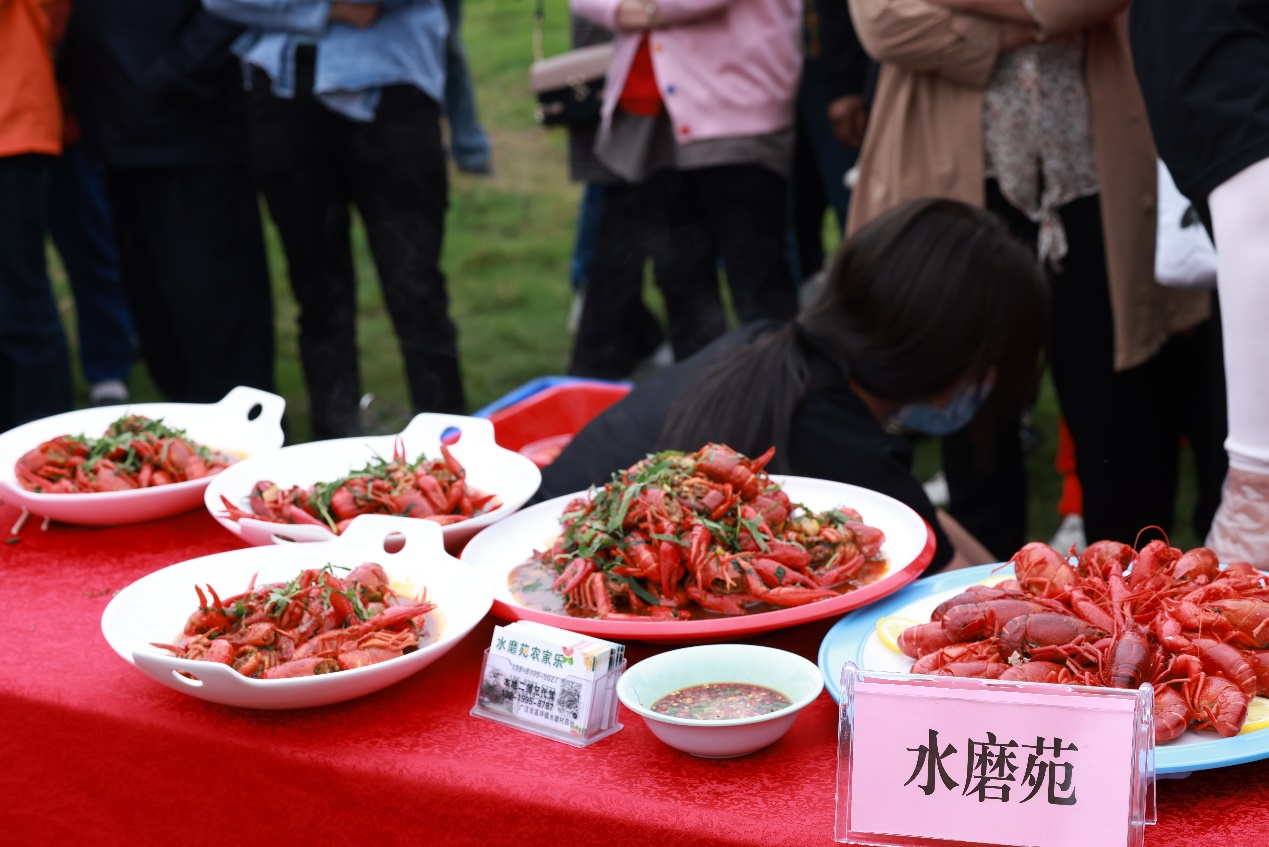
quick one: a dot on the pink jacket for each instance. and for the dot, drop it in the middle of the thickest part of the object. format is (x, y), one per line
(725, 67)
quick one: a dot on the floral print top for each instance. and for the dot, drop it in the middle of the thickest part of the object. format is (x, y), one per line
(1037, 135)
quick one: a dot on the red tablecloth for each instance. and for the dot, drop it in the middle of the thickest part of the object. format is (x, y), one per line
(95, 752)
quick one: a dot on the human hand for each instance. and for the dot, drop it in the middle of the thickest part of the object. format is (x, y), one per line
(849, 119)
(1013, 36)
(632, 15)
(357, 15)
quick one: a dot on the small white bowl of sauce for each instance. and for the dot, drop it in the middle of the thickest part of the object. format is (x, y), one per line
(718, 701)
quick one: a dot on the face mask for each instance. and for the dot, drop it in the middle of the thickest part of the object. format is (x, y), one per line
(931, 420)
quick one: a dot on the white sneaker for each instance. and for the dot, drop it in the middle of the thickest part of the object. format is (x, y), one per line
(660, 359)
(110, 392)
(936, 489)
(1070, 532)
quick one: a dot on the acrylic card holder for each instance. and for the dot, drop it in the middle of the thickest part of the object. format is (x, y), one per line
(940, 760)
(551, 682)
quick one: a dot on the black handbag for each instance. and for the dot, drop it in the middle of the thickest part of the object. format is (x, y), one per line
(569, 87)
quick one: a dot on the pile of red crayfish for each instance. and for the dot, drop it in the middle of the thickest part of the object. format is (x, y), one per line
(317, 623)
(135, 452)
(1115, 618)
(435, 490)
(709, 528)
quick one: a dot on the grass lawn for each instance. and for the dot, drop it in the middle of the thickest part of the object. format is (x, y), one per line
(506, 258)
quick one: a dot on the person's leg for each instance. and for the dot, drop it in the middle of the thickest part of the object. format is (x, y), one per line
(1240, 224)
(398, 181)
(987, 486)
(79, 221)
(1124, 425)
(131, 199)
(807, 205)
(468, 142)
(831, 158)
(589, 210)
(616, 329)
(1206, 421)
(297, 147)
(684, 261)
(745, 210)
(209, 324)
(34, 356)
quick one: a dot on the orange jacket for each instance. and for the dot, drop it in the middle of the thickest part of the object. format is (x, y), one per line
(30, 110)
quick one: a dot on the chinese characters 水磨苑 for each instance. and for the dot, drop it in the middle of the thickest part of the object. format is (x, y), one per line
(995, 768)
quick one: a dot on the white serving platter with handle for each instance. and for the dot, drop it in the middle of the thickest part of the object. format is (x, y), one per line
(490, 469)
(247, 422)
(155, 608)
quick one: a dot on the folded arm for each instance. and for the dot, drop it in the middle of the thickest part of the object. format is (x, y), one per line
(921, 35)
(633, 15)
(1050, 17)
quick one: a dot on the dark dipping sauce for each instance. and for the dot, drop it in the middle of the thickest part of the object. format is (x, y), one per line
(530, 585)
(721, 701)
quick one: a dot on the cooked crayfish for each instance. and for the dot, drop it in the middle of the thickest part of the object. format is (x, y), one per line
(709, 528)
(135, 452)
(1115, 617)
(317, 623)
(435, 490)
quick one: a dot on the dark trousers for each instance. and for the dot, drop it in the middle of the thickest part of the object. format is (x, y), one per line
(191, 252)
(79, 221)
(35, 379)
(312, 164)
(686, 221)
(1126, 426)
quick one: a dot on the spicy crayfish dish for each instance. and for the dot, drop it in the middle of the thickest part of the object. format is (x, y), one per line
(317, 623)
(135, 452)
(432, 489)
(701, 534)
(1114, 617)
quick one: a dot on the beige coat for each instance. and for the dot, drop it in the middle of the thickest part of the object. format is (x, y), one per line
(925, 138)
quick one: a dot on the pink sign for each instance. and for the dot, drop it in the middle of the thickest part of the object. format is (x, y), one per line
(1016, 764)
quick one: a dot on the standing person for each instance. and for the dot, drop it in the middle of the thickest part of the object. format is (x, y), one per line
(616, 331)
(1204, 70)
(1030, 107)
(346, 109)
(35, 376)
(698, 123)
(469, 145)
(79, 221)
(159, 97)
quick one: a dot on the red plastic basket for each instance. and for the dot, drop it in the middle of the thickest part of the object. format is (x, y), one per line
(540, 425)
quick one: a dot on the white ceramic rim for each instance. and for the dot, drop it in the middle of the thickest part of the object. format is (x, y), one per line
(805, 667)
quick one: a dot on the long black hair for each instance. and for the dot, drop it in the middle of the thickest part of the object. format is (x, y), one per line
(920, 298)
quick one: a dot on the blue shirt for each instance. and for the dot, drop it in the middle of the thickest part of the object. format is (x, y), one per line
(405, 45)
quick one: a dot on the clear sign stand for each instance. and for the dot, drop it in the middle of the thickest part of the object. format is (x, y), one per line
(940, 760)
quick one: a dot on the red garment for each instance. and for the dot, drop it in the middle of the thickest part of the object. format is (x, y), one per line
(30, 112)
(641, 94)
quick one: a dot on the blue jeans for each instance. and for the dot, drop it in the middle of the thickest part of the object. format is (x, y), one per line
(35, 379)
(79, 220)
(589, 212)
(468, 143)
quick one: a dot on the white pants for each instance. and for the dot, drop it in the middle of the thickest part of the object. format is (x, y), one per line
(1240, 222)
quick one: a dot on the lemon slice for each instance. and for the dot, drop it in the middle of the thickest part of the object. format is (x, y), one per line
(995, 579)
(888, 629)
(1257, 714)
